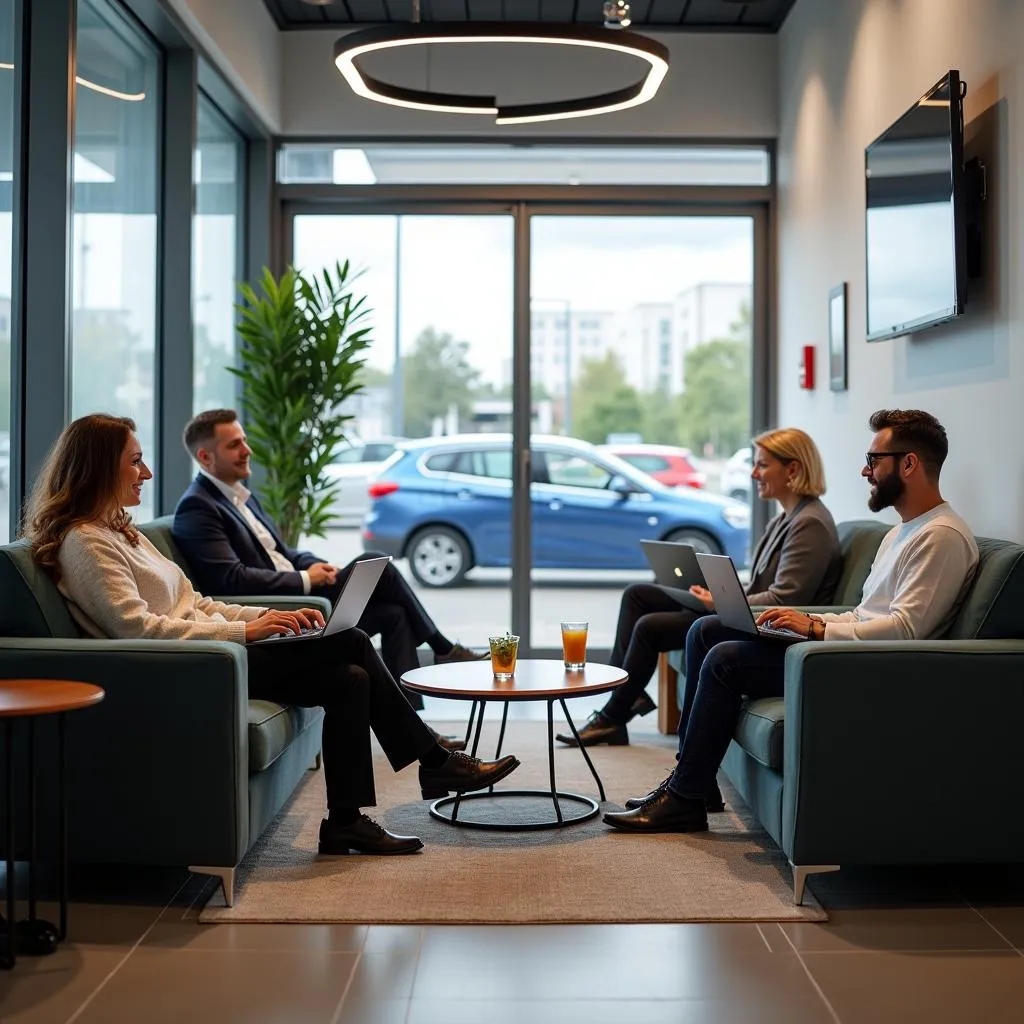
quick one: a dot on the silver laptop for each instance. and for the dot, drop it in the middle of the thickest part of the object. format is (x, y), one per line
(674, 564)
(349, 607)
(731, 603)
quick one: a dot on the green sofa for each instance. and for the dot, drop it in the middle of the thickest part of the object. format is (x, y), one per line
(176, 766)
(894, 752)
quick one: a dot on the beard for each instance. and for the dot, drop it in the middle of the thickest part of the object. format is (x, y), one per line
(887, 493)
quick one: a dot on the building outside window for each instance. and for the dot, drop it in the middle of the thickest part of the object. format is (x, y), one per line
(216, 239)
(115, 226)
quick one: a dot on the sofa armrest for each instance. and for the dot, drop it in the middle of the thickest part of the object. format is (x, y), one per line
(282, 602)
(903, 752)
(162, 763)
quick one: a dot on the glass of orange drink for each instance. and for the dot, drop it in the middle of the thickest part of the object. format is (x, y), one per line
(574, 645)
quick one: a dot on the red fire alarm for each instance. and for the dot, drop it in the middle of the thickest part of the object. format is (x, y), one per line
(807, 367)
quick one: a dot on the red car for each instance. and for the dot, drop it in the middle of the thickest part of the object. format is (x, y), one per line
(671, 466)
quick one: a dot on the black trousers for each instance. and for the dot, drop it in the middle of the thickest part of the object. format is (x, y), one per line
(650, 621)
(344, 675)
(394, 611)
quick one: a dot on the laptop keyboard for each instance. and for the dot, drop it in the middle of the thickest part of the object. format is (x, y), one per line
(776, 631)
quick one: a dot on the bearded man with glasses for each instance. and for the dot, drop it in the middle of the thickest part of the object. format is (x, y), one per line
(920, 577)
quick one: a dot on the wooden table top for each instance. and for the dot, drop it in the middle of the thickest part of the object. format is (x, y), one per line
(534, 679)
(45, 696)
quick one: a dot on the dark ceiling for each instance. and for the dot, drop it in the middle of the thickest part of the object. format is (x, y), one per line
(663, 15)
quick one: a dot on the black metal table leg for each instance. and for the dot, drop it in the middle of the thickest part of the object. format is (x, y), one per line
(583, 751)
(476, 744)
(62, 866)
(551, 760)
(9, 958)
(469, 724)
(501, 737)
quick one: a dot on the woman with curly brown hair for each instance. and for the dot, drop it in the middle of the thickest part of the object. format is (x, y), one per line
(118, 585)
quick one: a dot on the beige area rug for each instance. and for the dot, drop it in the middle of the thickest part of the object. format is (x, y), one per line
(580, 874)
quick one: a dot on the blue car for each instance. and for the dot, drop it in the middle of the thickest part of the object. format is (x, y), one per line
(445, 504)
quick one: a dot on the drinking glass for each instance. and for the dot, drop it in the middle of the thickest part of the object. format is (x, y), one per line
(574, 645)
(503, 656)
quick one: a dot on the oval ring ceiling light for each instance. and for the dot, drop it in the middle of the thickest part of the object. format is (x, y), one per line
(388, 37)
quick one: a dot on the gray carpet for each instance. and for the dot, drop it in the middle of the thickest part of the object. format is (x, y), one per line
(583, 873)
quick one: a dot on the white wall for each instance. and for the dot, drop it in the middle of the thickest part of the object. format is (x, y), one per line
(846, 71)
(244, 43)
(718, 85)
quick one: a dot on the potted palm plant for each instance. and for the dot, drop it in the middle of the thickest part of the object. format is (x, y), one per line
(302, 340)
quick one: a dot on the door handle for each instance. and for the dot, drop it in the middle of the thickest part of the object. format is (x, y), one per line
(464, 495)
(555, 505)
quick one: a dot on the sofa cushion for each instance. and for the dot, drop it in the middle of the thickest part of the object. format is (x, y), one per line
(994, 607)
(272, 727)
(31, 605)
(158, 533)
(858, 541)
(759, 730)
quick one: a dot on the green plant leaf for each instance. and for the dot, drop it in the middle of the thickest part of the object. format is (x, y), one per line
(302, 348)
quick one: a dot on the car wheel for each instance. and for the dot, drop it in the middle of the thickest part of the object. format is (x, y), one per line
(439, 557)
(697, 539)
(739, 495)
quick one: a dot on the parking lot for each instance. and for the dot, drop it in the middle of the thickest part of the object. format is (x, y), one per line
(483, 606)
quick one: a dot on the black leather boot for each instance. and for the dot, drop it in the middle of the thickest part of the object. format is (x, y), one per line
(664, 812)
(462, 774)
(713, 802)
(363, 835)
(598, 730)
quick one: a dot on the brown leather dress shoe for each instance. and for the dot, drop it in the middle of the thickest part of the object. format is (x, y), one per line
(664, 812)
(459, 653)
(462, 774)
(598, 730)
(363, 835)
(713, 802)
(449, 743)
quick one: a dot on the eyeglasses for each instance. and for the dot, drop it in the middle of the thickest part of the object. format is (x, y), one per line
(872, 457)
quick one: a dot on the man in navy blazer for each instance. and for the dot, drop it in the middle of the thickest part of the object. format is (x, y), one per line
(233, 547)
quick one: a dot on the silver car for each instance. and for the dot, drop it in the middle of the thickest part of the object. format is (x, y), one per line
(354, 466)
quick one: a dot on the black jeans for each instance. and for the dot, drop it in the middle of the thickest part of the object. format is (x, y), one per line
(394, 612)
(344, 675)
(722, 667)
(650, 621)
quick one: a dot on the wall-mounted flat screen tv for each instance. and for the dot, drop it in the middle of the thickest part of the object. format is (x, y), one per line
(916, 258)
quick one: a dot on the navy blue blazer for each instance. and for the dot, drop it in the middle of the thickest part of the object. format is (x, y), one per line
(223, 553)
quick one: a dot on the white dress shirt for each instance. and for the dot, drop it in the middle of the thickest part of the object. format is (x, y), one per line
(238, 494)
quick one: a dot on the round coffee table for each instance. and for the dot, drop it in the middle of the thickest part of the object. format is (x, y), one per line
(545, 680)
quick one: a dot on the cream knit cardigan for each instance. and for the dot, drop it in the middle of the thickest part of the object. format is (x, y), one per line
(123, 592)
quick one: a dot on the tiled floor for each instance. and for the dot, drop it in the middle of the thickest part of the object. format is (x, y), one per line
(900, 946)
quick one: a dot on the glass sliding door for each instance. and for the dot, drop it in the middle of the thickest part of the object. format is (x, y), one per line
(640, 355)
(114, 235)
(437, 386)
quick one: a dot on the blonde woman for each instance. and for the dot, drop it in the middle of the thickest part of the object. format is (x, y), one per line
(797, 561)
(118, 585)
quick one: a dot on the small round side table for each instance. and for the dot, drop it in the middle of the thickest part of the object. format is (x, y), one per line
(28, 699)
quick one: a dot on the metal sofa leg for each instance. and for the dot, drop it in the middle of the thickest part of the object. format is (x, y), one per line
(226, 876)
(801, 873)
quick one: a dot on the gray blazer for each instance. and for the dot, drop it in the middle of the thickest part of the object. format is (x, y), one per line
(798, 559)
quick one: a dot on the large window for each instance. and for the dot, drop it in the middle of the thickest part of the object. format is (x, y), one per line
(219, 162)
(7, 168)
(114, 239)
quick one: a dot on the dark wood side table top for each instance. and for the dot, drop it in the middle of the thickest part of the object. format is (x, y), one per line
(534, 679)
(23, 697)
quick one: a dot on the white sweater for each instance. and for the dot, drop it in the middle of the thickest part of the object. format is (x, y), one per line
(119, 591)
(917, 582)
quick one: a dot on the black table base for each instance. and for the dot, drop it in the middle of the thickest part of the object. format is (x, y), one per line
(439, 809)
(33, 936)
